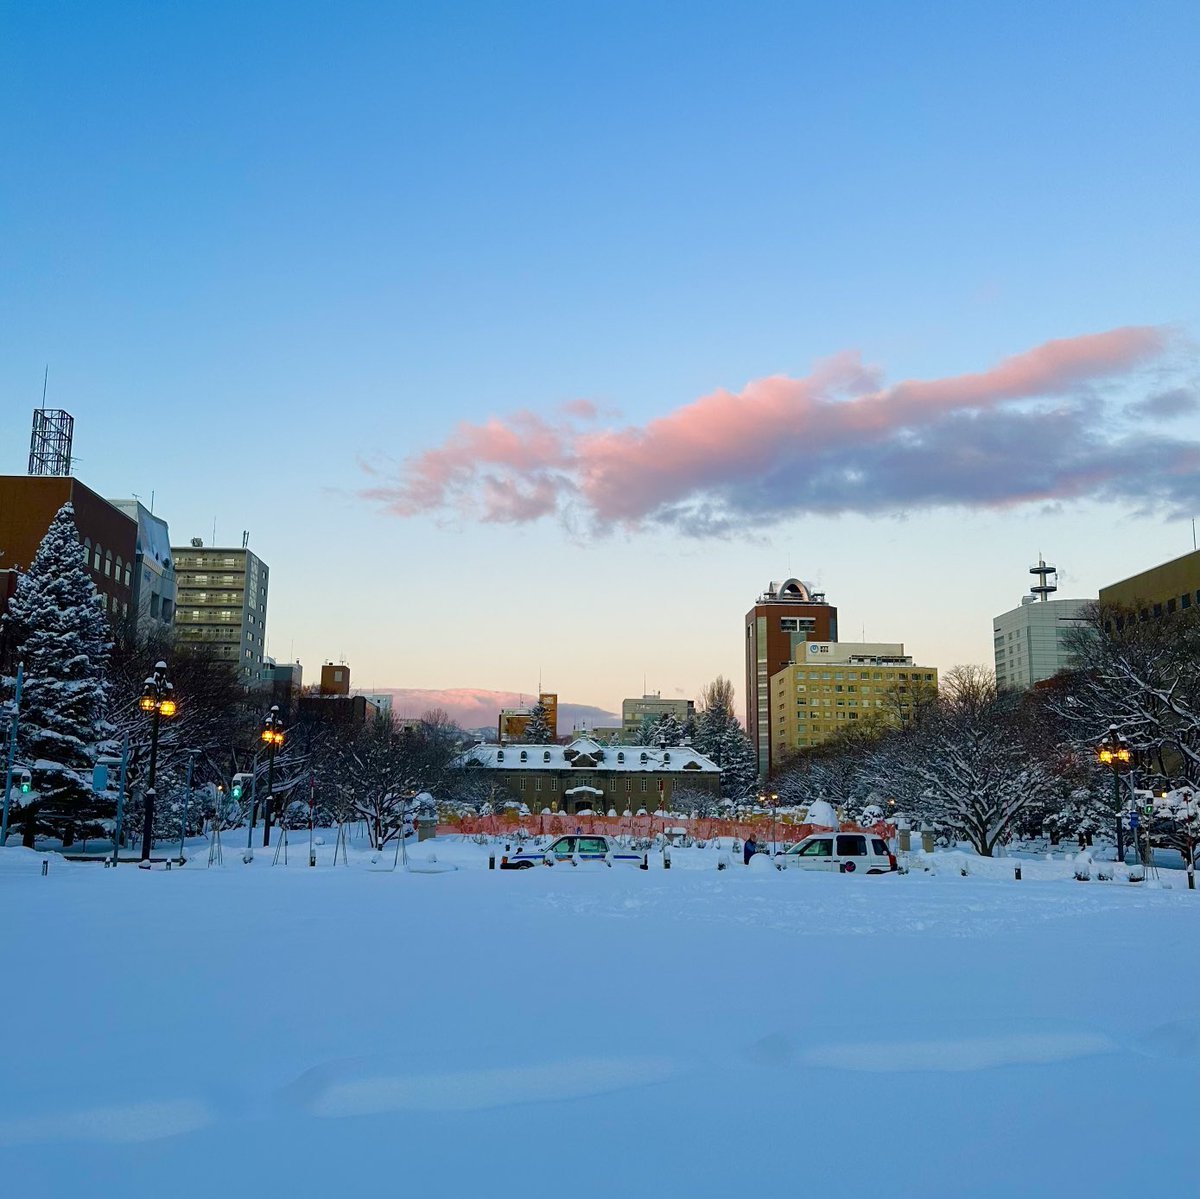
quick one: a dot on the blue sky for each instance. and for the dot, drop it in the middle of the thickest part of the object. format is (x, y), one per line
(260, 244)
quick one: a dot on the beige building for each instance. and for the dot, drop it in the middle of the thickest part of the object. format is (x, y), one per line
(832, 685)
(634, 711)
(588, 776)
(1160, 591)
(222, 605)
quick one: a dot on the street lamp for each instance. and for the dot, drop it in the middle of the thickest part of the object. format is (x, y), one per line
(772, 798)
(158, 701)
(1114, 752)
(272, 735)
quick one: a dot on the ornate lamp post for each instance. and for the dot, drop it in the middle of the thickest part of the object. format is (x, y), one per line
(1114, 752)
(158, 701)
(272, 736)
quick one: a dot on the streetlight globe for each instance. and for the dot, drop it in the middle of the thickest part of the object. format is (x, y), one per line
(168, 707)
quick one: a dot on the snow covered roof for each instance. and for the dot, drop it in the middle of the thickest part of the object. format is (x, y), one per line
(585, 754)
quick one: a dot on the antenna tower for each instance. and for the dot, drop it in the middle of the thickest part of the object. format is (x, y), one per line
(1042, 589)
(50, 442)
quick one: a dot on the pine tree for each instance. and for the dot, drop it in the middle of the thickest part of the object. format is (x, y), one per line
(538, 730)
(720, 736)
(63, 639)
(667, 730)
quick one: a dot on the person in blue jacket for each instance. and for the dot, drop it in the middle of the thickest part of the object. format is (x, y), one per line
(749, 849)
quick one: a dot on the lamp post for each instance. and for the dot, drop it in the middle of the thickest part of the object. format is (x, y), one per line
(157, 701)
(772, 798)
(272, 736)
(1114, 752)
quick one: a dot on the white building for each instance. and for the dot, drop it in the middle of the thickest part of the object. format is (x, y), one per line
(1033, 641)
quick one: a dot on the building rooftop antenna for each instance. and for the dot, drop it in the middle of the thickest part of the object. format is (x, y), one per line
(1042, 589)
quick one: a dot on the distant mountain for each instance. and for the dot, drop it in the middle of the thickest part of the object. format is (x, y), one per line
(474, 708)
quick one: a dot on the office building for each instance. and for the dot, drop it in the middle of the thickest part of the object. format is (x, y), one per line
(634, 711)
(783, 620)
(1160, 591)
(588, 776)
(831, 686)
(28, 505)
(222, 605)
(1034, 641)
(154, 585)
(282, 682)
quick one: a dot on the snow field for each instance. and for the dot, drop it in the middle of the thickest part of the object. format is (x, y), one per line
(294, 1031)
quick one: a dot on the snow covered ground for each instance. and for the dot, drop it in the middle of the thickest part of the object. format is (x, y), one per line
(589, 1031)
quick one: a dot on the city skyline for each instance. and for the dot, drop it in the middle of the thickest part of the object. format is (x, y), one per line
(354, 284)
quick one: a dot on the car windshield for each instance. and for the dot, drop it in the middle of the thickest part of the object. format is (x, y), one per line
(563, 845)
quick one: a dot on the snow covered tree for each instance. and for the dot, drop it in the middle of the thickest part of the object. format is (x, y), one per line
(664, 729)
(538, 730)
(62, 637)
(720, 736)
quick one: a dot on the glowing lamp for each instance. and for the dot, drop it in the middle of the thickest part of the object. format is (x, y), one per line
(168, 707)
(146, 703)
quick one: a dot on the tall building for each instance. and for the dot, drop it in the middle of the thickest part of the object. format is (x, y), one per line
(1032, 642)
(154, 586)
(634, 711)
(831, 685)
(283, 681)
(785, 616)
(222, 605)
(1160, 591)
(513, 721)
(28, 503)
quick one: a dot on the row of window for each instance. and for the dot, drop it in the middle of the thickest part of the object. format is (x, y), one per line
(102, 561)
(1176, 604)
(645, 757)
(614, 785)
(914, 676)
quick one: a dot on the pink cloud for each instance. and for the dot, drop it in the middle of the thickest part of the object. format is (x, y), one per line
(473, 707)
(755, 454)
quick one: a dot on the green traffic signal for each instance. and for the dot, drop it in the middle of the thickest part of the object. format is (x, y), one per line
(237, 790)
(26, 784)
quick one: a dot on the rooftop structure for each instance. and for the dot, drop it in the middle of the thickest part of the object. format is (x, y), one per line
(1033, 641)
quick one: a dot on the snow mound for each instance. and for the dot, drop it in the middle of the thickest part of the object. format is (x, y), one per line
(821, 814)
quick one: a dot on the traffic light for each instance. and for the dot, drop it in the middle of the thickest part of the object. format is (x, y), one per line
(237, 790)
(240, 782)
(26, 782)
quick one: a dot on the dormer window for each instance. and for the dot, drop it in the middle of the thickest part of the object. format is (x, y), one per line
(666, 758)
(500, 755)
(546, 756)
(524, 756)
(645, 756)
(620, 759)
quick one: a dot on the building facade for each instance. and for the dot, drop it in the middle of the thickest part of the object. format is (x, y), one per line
(1160, 591)
(222, 605)
(154, 584)
(634, 711)
(832, 686)
(335, 678)
(1034, 641)
(28, 503)
(784, 619)
(587, 776)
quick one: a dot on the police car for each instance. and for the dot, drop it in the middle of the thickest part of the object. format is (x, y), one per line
(586, 846)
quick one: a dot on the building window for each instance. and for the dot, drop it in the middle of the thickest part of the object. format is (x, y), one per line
(628, 786)
(644, 785)
(96, 557)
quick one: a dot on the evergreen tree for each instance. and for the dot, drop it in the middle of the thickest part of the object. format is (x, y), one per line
(62, 636)
(720, 736)
(538, 730)
(667, 730)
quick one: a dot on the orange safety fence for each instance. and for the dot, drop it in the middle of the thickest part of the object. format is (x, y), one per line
(647, 827)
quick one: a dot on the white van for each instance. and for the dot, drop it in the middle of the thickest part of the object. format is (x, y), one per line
(847, 853)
